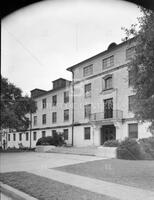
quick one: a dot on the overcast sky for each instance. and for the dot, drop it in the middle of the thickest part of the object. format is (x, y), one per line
(40, 41)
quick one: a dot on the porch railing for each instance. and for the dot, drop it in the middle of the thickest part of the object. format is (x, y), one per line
(106, 116)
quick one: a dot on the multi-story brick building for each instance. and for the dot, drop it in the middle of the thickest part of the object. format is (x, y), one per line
(96, 106)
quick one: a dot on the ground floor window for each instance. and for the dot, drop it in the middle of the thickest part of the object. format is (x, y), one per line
(14, 136)
(20, 136)
(34, 136)
(8, 137)
(27, 136)
(54, 132)
(87, 133)
(65, 134)
(133, 130)
(43, 133)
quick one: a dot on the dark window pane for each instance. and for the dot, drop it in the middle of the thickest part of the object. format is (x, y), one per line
(65, 134)
(87, 90)
(87, 133)
(43, 133)
(87, 110)
(133, 130)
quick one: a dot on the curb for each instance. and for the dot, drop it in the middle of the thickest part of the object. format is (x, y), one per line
(14, 193)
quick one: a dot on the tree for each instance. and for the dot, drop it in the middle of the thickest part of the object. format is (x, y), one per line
(14, 107)
(142, 67)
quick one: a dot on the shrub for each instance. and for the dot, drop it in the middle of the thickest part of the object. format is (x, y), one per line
(56, 140)
(111, 143)
(148, 146)
(130, 149)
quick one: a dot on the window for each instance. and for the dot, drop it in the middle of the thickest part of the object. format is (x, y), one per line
(20, 136)
(108, 82)
(14, 137)
(44, 103)
(54, 100)
(65, 134)
(27, 135)
(87, 90)
(130, 78)
(66, 97)
(9, 137)
(87, 111)
(130, 52)
(108, 62)
(35, 120)
(108, 108)
(87, 71)
(87, 133)
(133, 130)
(34, 136)
(44, 119)
(54, 117)
(66, 115)
(131, 102)
(54, 132)
(43, 133)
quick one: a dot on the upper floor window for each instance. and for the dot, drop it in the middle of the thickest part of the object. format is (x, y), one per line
(66, 115)
(108, 62)
(54, 117)
(20, 136)
(27, 135)
(43, 133)
(35, 120)
(66, 97)
(65, 134)
(131, 102)
(54, 100)
(130, 53)
(44, 119)
(87, 133)
(108, 82)
(130, 78)
(87, 111)
(34, 136)
(133, 130)
(87, 90)
(44, 103)
(87, 71)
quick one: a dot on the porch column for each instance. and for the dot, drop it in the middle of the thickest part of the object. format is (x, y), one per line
(118, 127)
(96, 134)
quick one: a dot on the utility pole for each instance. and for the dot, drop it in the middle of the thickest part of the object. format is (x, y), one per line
(30, 129)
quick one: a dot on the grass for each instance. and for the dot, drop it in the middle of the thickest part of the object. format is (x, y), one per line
(132, 173)
(47, 189)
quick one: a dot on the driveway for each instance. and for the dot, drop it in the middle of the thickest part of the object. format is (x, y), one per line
(25, 161)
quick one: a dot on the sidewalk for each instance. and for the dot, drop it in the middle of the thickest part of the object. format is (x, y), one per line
(118, 191)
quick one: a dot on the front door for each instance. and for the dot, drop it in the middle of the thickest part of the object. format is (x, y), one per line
(108, 108)
(108, 132)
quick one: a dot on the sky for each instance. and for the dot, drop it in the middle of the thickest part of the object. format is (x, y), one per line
(40, 41)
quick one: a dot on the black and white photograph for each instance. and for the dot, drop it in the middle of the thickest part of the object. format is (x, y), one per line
(77, 100)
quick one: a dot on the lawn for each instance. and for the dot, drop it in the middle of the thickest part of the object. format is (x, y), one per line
(47, 189)
(132, 173)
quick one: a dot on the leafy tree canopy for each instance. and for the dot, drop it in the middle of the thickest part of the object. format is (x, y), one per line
(142, 66)
(14, 107)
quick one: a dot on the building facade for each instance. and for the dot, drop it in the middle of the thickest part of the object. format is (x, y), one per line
(95, 107)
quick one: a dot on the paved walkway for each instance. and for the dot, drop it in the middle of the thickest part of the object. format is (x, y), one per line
(32, 160)
(118, 191)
